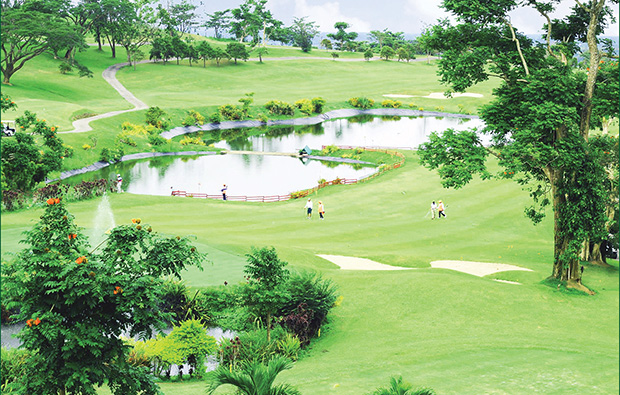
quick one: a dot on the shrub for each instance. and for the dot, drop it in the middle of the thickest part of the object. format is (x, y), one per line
(68, 150)
(251, 346)
(13, 200)
(50, 191)
(14, 366)
(329, 149)
(298, 194)
(157, 117)
(318, 103)
(289, 346)
(311, 298)
(420, 108)
(216, 117)
(155, 139)
(89, 189)
(125, 138)
(359, 150)
(191, 140)
(193, 344)
(439, 108)
(262, 118)
(279, 107)
(361, 102)
(86, 147)
(305, 106)
(231, 112)
(64, 68)
(391, 103)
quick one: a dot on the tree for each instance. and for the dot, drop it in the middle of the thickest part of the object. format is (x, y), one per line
(161, 48)
(135, 30)
(25, 162)
(326, 43)
(368, 54)
(261, 51)
(303, 33)
(539, 120)
(27, 34)
(387, 52)
(265, 292)
(219, 54)
(341, 36)
(254, 378)
(179, 48)
(219, 21)
(205, 51)
(252, 19)
(78, 303)
(182, 16)
(237, 51)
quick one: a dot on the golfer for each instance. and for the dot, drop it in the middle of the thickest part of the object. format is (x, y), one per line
(119, 183)
(440, 208)
(224, 189)
(321, 210)
(308, 208)
(433, 210)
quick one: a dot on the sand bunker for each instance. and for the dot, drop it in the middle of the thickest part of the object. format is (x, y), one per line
(353, 263)
(506, 281)
(437, 95)
(479, 269)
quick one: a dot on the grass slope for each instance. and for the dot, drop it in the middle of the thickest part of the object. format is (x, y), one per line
(456, 333)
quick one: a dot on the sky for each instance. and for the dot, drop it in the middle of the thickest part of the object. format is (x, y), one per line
(408, 16)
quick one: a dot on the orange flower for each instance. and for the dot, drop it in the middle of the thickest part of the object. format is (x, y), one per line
(81, 259)
(37, 321)
(53, 129)
(57, 200)
(50, 201)
(118, 290)
(29, 322)
(133, 220)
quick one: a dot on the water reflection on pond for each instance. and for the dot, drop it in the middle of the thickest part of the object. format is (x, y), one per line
(254, 175)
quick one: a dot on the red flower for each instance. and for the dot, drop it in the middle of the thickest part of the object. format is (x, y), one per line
(50, 201)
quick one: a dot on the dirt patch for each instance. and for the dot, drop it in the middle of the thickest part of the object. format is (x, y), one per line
(354, 263)
(479, 269)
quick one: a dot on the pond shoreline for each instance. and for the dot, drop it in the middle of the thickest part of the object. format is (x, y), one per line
(334, 114)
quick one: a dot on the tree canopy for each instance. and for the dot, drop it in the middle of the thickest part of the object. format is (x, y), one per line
(539, 120)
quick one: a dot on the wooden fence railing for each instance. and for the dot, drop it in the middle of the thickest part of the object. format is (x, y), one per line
(306, 192)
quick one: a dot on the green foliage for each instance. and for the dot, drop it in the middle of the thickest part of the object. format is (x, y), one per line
(187, 140)
(26, 162)
(254, 378)
(6, 103)
(231, 112)
(361, 102)
(155, 139)
(237, 50)
(253, 345)
(216, 117)
(14, 365)
(247, 101)
(278, 107)
(305, 106)
(400, 387)
(265, 292)
(318, 103)
(157, 117)
(391, 103)
(193, 118)
(458, 156)
(83, 301)
(193, 344)
(64, 68)
(387, 52)
(368, 54)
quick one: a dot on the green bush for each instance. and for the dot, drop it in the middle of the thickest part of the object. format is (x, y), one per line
(14, 366)
(289, 346)
(193, 344)
(64, 68)
(329, 149)
(231, 112)
(155, 139)
(279, 107)
(361, 102)
(318, 103)
(252, 346)
(216, 117)
(305, 106)
(157, 117)
(391, 103)
(187, 140)
(262, 118)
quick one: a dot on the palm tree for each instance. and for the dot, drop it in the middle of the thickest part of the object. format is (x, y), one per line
(255, 378)
(400, 387)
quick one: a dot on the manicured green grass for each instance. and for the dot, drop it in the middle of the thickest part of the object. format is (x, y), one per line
(451, 331)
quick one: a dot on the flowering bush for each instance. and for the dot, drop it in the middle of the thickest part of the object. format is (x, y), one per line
(361, 102)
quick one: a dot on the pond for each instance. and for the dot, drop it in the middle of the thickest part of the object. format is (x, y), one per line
(264, 175)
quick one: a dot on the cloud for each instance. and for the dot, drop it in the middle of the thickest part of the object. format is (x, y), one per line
(424, 13)
(327, 14)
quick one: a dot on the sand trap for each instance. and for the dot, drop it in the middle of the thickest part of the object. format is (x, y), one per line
(479, 269)
(506, 281)
(353, 263)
